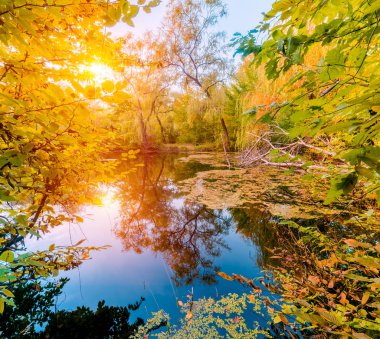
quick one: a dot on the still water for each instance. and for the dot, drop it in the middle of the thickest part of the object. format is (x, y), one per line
(165, 242)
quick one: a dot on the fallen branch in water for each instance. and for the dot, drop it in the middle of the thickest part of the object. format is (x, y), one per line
(274, 144)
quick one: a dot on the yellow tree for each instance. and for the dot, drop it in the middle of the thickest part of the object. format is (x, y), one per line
(47, 138)
(148, 85)
(191, 47)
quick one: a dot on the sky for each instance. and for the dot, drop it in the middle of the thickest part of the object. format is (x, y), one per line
(243, 15)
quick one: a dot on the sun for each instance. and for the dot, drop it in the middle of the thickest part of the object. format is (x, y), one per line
(108, 198)
(100, 72)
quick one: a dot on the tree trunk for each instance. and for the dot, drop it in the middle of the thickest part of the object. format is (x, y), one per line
(143, 131)
(161, 128)
(226, 139)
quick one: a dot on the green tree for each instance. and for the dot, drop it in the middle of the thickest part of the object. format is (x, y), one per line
(336, 97)
(331, 282)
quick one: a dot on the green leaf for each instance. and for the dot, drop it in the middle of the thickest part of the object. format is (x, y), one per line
(365, 172)
(4, 196)
(266, 118)
(300, 116)
(340, 185)
(352, 156)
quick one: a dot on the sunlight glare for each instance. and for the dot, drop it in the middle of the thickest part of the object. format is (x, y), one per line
(109, 200)
(101, 72)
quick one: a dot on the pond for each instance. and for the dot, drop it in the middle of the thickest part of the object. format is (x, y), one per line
(173, 222)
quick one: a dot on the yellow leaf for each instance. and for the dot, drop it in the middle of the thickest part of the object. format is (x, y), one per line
(328, 316)
(89, 92)
(42, 155)
(8, 293)
(108, 86)
(7, 256)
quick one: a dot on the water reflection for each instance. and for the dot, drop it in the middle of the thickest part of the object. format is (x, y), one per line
(164, 237)
(257, 225)
(154, 216)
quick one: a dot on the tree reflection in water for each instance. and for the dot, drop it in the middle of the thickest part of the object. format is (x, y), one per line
(257, 225)
(155, 217)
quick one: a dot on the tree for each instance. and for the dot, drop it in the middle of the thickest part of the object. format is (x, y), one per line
(47, 137)
(34, 302)
(148, 84)
(336, 96)
(194, 121)
(36, 316)
(190, 46)
(104, 322)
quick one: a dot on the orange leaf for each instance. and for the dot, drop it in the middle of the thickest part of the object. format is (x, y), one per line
(360, 335)
(251, 297)
(374, 286)
(331, 284)
(284, 319)
(238, 278)
(365, 297)
(313, 279)
(225, 276)
(355, 243)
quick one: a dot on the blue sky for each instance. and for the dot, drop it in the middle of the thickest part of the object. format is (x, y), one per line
(243, 15)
